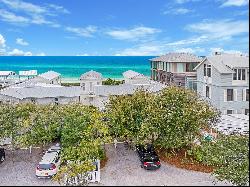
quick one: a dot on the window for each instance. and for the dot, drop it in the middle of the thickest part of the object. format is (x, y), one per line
(190, 67)
(235, 74)
(83, 86)
(239, 74)
(243, 74)
(91, 86)
(230, 94)
(247, 112)
(229, 111)
(247, 94)
(207, 70)
(207, 91)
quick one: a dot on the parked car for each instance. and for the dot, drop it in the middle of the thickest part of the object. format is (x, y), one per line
(2, 155)
(49, 164)
(148, 157)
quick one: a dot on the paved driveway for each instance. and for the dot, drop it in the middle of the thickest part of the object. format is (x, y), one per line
(123, 168)
(19, 169)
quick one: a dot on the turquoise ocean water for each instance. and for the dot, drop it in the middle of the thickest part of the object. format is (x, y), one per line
(72, 67)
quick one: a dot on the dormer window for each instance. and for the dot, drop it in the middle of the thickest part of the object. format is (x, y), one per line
(83, 86)
(239, 74)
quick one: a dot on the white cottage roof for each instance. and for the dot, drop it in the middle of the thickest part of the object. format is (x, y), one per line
(132, 75)
(6, 73)
(41, 91)
(124, 89)
(50, 75)
(91, 75)
(177, 57)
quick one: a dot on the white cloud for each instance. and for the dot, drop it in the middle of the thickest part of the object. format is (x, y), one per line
(155, 49)
(218, 49)
(142, 50)
(2, 41)
(60, 9)
(134, 34)
(191, 50)
(21, 41)
(2, 52)
(35, 14)
(85, 54)
(177, 11)
(238, 3)
(12, 18)
(24, 6)
(223, 29)
(189, 41)
(17, 52)
(41, 54)
(84, 32)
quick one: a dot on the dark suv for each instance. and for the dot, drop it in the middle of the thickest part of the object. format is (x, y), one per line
(148, 157)
(2, 155)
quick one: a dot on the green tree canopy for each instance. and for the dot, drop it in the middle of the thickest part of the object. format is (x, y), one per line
(170, 119)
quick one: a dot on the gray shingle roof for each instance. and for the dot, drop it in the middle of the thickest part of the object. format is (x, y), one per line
(50, 75)
(41, 91)
(132, 74)
(225, 63)
(178, 57)
(91, 75)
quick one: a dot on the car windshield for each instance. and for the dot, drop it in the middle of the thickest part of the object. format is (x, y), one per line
(45, 166)
(151, 159)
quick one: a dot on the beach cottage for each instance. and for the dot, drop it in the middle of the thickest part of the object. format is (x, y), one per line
(6, 78)
(49, 77)
(40, 93)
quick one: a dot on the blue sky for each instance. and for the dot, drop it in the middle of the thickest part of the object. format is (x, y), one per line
(122, 27)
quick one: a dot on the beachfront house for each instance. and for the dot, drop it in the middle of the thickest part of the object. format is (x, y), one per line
(223, 79)
(96, 94)
(175, 69)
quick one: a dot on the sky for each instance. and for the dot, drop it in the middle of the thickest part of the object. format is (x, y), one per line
(122, 27)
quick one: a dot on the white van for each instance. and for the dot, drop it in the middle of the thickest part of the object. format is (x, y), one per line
(49, 164)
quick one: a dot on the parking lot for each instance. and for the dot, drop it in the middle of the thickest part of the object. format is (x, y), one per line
(122, 168)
